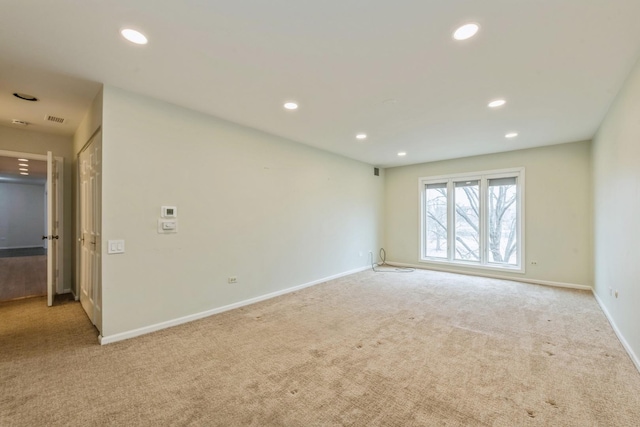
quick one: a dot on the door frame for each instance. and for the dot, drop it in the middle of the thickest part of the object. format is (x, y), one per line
(59, 205)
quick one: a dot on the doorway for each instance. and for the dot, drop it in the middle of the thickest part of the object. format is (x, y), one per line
(30, 225)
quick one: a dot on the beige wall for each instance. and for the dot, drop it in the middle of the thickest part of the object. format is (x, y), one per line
(90, 123)
(28, 141)
(273, 213)
(616, 173)
(557, 210)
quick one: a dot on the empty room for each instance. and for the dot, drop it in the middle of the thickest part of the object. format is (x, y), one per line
(320, 213)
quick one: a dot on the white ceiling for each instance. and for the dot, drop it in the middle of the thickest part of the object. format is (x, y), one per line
(389, 69)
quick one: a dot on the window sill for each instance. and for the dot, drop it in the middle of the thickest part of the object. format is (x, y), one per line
(493, 267)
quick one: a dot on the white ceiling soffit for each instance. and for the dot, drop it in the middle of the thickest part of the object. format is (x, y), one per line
(389, 69)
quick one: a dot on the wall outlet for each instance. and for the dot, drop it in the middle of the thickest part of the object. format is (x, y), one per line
(534, 262)
(232, 279)
(616, 293)
(360, 253)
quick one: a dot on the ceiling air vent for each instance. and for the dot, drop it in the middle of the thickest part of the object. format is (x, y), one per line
(54, 119)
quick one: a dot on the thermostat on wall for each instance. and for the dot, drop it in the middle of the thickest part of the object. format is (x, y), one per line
(169, 212)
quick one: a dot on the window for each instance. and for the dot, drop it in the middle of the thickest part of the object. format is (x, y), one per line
(474, 219)
(466, 199)
(436, 242)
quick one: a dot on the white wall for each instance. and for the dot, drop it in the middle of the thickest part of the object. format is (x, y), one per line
(272, 212)
(22, 212)
(90, 123)
(557, 210)
(616, 177)
(29, 141)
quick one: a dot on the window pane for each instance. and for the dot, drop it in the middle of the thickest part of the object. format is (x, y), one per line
(467, 221)
(503, 216)
(436, 221)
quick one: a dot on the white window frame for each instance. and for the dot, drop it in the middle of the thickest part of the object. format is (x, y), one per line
(483, 177)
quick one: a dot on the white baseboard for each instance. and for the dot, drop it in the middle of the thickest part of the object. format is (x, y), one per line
(623, 341)
(190, 318)
(495, 276)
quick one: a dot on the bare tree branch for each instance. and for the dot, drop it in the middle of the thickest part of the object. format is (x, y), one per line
(469, 250)
(433, 217)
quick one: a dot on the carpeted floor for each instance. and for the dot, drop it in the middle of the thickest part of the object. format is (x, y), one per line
(22, 277)
(415, 349)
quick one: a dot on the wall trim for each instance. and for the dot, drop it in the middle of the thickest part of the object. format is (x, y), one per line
(196, 316)
(634, 358)
(496, 276)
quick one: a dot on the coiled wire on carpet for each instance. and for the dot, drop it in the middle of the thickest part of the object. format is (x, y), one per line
(383, 258)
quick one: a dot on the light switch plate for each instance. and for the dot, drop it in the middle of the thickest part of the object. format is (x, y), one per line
(115, 246)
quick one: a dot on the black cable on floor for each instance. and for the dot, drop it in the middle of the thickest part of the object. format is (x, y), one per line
(383, 258)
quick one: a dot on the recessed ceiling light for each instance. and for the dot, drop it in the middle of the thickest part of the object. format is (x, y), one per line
(361, 136)
(466, 31)
(24, 169)
(134, 36)
(25, 96)
(23, 164)
(23, 160)
(511, 135)
(402, 153)
(496, 103)
(24, 173)
(290, 105)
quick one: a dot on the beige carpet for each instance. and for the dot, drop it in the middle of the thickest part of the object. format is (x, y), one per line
(418, 349)
(22, 277)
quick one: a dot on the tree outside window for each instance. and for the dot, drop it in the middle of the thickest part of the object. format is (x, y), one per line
(484, 210)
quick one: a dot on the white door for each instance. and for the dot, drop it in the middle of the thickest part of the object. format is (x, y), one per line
(53, 214)
(52, 228)
(90, 165)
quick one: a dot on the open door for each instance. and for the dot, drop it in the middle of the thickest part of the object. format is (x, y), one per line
(52, 228)
(90, 186)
